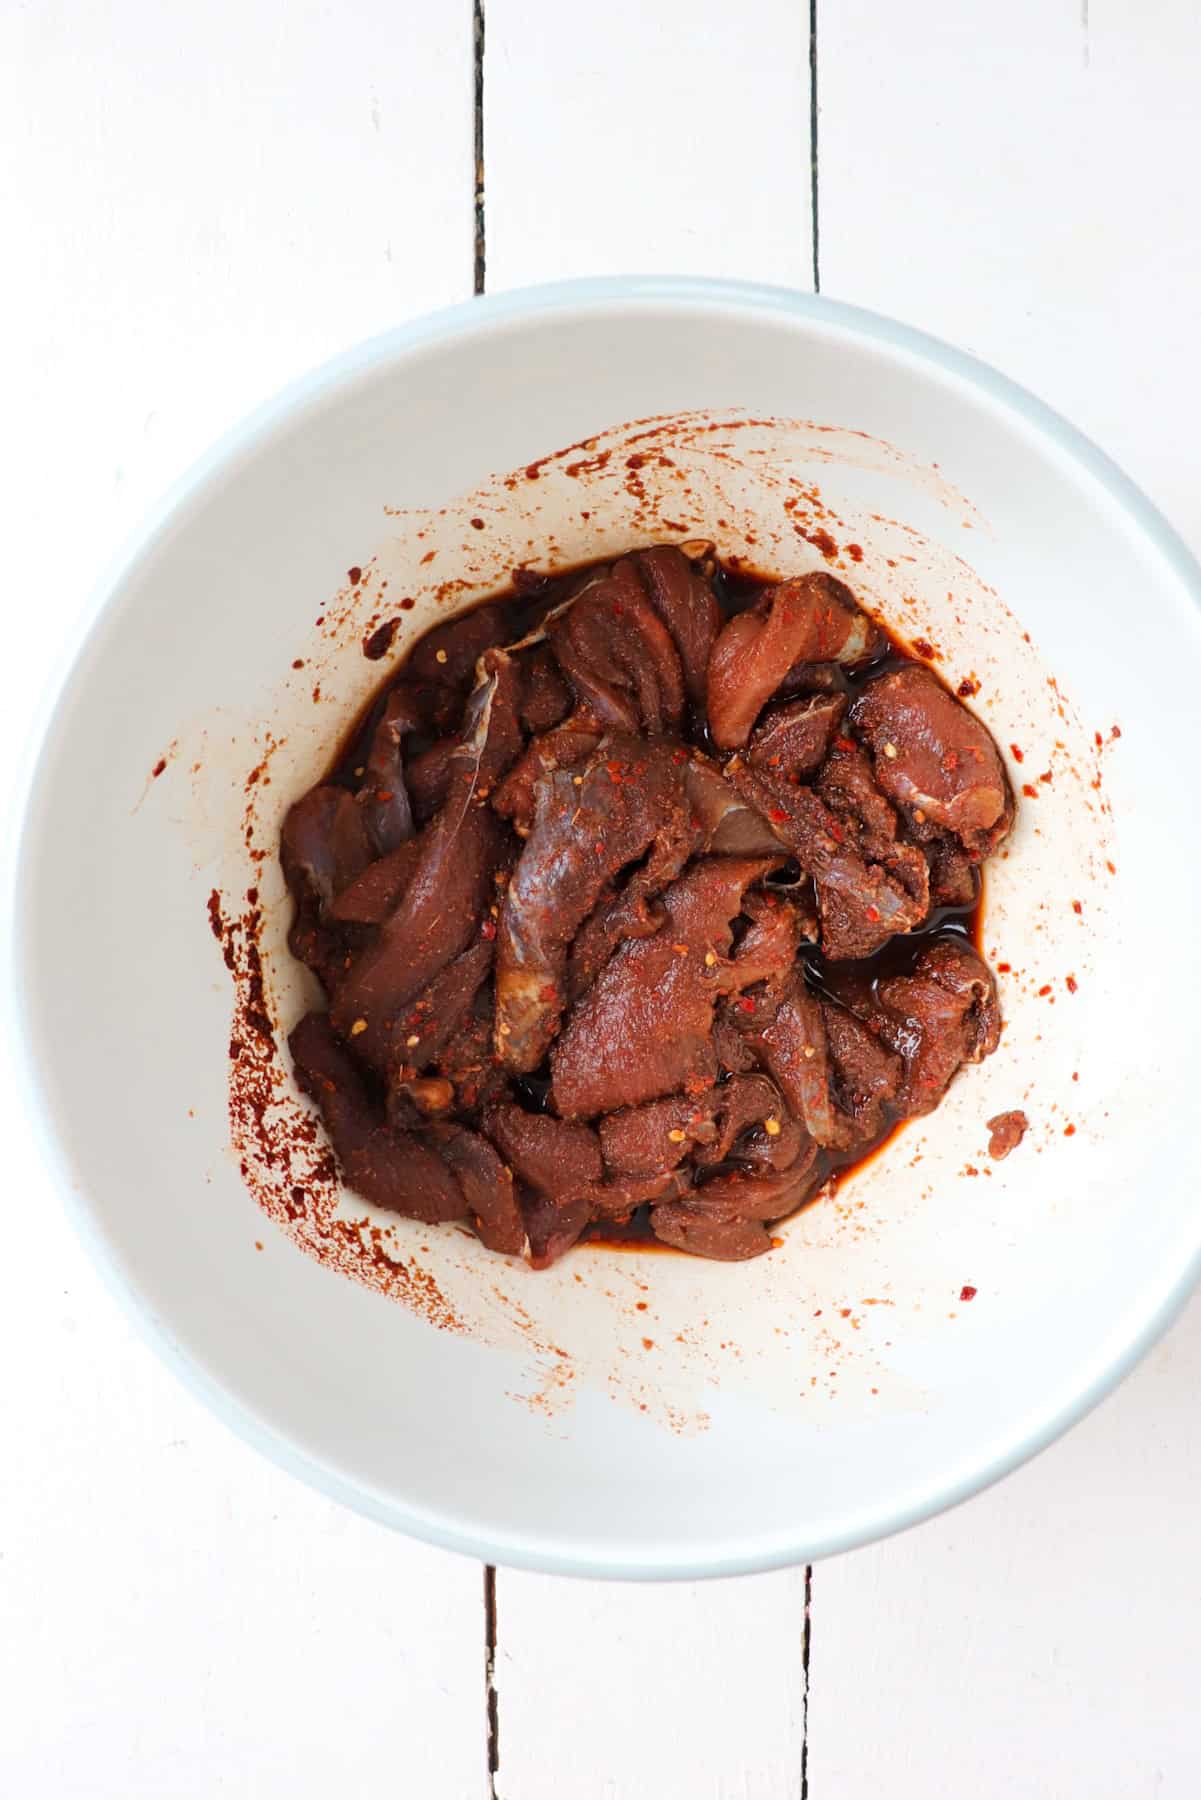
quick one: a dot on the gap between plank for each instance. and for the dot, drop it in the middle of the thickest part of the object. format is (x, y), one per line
(817, 275)
(480, 238)
(805, 1641)
(491, 1704)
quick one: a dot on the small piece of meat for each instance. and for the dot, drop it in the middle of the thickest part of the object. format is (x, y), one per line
(487, 1186)
(384, 795)
(791, 1043)
(617, 1197)
(618, 655)
(378, 891)
(756, 1128)
(943, 1015)
(553, 1225)
(867, 1075)
(729, 827)
(795, 738)
(438, 917)
(645, 1027)
(554, 1156)
(683, 597)
(954, 880)
(861, 905)
(424, 1026)
(447, 655)
(1007, 1129)
(428, 777)
(586, 829)
(811, 619)
(847, 788)
(324, 845)
(656, 1137)
(749, 1196)
(545, 696)
(397, 1170)
(769, 949)
(733, 1052)
(491, 739)
(689, 1225)
(566, 747)
(934, 759)
(614, 920)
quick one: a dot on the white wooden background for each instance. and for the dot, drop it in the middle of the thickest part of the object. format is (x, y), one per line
(197, 201)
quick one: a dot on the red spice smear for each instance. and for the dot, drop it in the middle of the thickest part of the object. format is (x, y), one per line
(968, 1293)
(284, 1161)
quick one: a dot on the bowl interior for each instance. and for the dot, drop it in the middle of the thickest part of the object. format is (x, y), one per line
(622, 1412)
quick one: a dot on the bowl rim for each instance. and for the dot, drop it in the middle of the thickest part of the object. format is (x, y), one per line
(189, 492)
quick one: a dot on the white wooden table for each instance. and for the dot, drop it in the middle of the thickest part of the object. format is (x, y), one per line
(199, 201)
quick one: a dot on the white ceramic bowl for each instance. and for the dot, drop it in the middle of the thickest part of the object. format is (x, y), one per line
(631, 1414)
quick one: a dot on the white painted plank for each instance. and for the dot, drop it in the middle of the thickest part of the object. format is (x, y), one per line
(672, 137)
(197, 204)
(1041, 1641)
(692, 1692)
(1020, 180)
(667, 137)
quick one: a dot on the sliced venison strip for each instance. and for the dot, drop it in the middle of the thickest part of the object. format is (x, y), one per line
(813, 618)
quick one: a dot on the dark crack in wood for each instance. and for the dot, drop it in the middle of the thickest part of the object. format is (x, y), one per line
(491, 1702)
(481, 241)
(813, 209)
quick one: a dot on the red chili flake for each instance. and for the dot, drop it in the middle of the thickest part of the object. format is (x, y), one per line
(967, 688)
(1004, 968)
(477, 524)
(950, 762)
(873, 913)
(619, 610)
(1111, 868)
(778, 816)
(967, 1293)
(354, 576)
(1076, 907)
(924, 647)
(158, 768)
(488, 928)
(1069, 1131)
(1099, 739)
(299, 663)
(836, 832)
(679, 756)
(1072, 984)
(1115, 732)
(1046, 989)
(1030, 792)
(1018, 755)
(383, 795)
(855, 552)
(549, 992)
(844, 743)
(599, 848)
(1045, 776)
(748, 1006)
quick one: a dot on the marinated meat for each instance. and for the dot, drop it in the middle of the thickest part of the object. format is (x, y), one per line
(618, 655)
(590, 973)
(1007, 1131)
(795, 738)
(811, 619)
(938, 1018)
(685, 601)
(586, 829)
(645, 1026)
(862, 906)
(934, 759)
